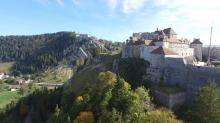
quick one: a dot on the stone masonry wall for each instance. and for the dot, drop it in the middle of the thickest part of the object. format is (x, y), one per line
(190, 77)
(198, 76)
(169, 100)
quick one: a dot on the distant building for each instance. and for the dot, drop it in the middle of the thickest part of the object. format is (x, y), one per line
(20, 82)
(2, 76)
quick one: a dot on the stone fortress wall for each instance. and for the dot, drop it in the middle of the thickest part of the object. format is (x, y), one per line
(198, 76)
(189, 77)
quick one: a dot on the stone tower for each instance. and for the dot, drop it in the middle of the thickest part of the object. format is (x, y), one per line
(197, 45)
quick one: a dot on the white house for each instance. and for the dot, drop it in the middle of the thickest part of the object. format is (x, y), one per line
(2, 76)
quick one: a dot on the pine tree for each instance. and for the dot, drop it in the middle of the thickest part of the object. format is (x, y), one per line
(206, 108)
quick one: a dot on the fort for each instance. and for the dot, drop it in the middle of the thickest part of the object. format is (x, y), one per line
(172, 61)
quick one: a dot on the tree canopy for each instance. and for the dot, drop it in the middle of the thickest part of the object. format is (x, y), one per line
(206, 108)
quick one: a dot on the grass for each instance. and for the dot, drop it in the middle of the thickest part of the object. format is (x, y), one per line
(216, 63)
(89, 75)
(55, 75)
(86, 77)
(168, 89)
(6, 66)
(7, 96)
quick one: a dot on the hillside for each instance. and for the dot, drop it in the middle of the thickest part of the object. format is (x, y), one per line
(39, 52)
(82, 79)
(96, 95)
(47, 60)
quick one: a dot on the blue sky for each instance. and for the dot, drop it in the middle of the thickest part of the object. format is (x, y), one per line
(111, 19)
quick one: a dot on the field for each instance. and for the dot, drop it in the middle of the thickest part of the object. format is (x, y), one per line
(55, 75)
(6, 97)
(6, 66)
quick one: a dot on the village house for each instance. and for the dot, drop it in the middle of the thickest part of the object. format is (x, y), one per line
(3, 76)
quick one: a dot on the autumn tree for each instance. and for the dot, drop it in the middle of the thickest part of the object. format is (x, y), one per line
(159, 116)
(84, 117)
(106, 79)
(144, 100)
(111, 117)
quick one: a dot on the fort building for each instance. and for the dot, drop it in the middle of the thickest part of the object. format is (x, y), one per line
(172, 61)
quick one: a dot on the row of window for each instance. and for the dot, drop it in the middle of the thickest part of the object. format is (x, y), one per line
(187, 54)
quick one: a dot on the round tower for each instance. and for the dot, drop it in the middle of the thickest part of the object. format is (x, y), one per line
(197, 45)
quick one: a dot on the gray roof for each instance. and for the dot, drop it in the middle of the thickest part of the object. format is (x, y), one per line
(196, 41)
(169, 31)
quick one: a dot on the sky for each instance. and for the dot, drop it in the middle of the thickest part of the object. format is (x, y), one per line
(114, 20)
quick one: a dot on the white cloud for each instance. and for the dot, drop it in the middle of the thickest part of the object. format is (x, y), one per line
(197, 12)
(112, 4)
(190, 18)
(129, 6)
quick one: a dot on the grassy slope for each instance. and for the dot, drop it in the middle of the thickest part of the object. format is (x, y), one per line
(6, 97)
(6, 66)
(55, 75)
(88, 75)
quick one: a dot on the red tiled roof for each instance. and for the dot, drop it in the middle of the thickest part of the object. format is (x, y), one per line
(163, 51)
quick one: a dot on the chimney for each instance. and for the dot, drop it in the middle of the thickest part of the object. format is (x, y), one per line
(157, 28)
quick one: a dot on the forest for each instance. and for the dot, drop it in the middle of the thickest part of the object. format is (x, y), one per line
(111, 100)
(39, 52)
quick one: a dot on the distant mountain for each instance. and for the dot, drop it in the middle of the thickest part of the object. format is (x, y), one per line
(38, 52)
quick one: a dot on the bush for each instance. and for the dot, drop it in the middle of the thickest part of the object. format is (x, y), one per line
(160, 116)
(10, 80)
(133, 70)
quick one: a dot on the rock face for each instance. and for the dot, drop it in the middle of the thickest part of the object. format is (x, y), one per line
(169, 100)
